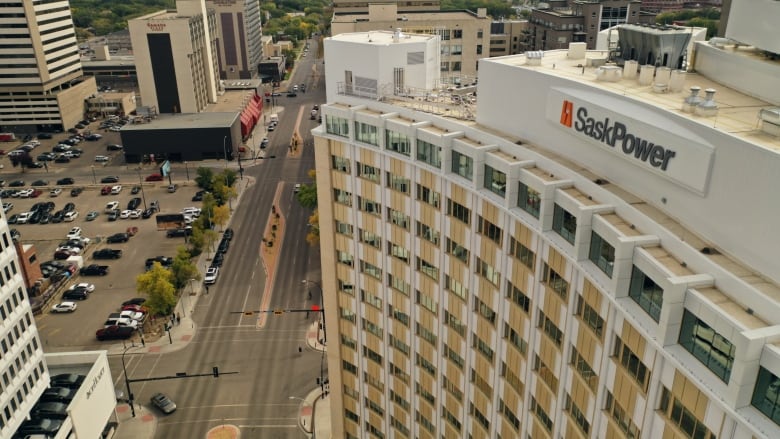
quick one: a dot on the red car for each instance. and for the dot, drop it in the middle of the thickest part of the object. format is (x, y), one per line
(106, 190)
(135, 308)
(154, 177)
(36, 193)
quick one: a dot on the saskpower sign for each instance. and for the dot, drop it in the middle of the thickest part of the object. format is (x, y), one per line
(640, 136)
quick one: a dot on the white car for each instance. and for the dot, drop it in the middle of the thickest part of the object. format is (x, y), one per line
(115, 129)
(135, 214)
(193, 211)
(122, 321)
(25, 193)
(55, 192)
(74, 233)
(133, 315)
(125, 214)
(71, 216)
(112, 206)
(101, 158)
(64, 307)
(115, 190)
(297, 188)
(23, 218)
(211, 276)
(7, 207)
(83, 286)
(73, 250)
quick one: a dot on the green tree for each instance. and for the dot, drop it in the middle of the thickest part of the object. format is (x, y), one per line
(157, 284)
(307, 196)
(183, 269)
(197, 239)
(313, 235)
(204, 178)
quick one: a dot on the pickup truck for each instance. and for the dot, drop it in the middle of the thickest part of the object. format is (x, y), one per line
(94, 270)
(107, 253)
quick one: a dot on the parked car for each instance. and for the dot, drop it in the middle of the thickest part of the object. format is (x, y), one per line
(74, 232)
(162, 402)
(62, 159)
(152, 177)
(39, 426)
(116, 189)
(133, 203)
(40, 183)
(92, 215)
(75, 295)
(113, 215)
(70, 216)
(172, 188)
(69, 380)
(83, 286)
(94, 270)
(106, 190)
(58, 394)
(114, 333)
(118, 237)
(114, 147)
(110, 179)
(211, 276)
(135, 189)
(101, 158)
(16, 183)
(178, 233)
(76, 191)
(7, 207)
(134, 301)
(148, 213)
(107, 253)
(111, 206)
(120, 321)
(64, 307)
(55, 192)
(165, 261)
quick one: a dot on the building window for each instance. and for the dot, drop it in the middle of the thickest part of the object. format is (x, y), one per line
(621, 417)
(452, 419)
(541, 415)
(457, 34)
(349, 342)
(427, 268)
(590, 316)
(452, 388)
(454, 323)
(462, 165)
(427, 233)
(482, 347)
(369, 206)
(579, 418)
(336, 125)
(424, 422)
(400, 374)
(343, 228)
(457, 250)
(712, 349)
(428, 195)
(509, 415)
(479, 417)
(484, 310)
(366, 133)
(583, 369)
(399, 284)
(340, 163)
(766, 395)
(456, 65)
(521, 253)
(515, 339)
(517, 296)
(372, 328)
(344, 258)
(550, 329)
(369, 238)
(398, 218)
(458, 211)
(564, 223)
(342, 197)
(347, 314)
(398, 142)
(399, 426)
(555, 281)
(345, 287)
(352, 416)
(370, 299)
(682, 417)
(490, 230)
(371, 270)
(429, 153)
(372, 355)
(545, 373)
(479, 49)
(512, 379)
(349, 367)
(488, 272)
(426, 365)
(601, 253)
(453, 356)
(398, 315)
(427, 302)
(632, 364)
(368, 172)
(646, 293)
(495, 181)
(456, 287)
(529, 200)
(398, 183)
(399, 345)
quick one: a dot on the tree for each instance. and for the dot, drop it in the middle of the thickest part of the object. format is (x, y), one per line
(313, 237)
(157, 283)
(205, 178)
(196, 240)
(307, 196)
(221, 215)
(183, 269)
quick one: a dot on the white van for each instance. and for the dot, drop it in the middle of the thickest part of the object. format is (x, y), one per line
(274, 118)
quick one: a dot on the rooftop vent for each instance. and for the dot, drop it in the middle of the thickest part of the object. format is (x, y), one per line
(397, 35)
(692, 101)
(708, 108)
(534, 57)
(609, 73)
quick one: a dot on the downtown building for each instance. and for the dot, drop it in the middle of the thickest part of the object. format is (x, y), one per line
(239, 49)
(591, 254)
(41, 82)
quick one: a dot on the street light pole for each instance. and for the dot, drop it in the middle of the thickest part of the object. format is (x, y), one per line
(141, 185)
(127, 380)
(322, 310)
(224, 149)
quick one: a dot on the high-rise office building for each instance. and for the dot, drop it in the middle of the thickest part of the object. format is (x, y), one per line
(41, 83)
(23, 369)
(592, 255)
(175, 58)
(239, 51)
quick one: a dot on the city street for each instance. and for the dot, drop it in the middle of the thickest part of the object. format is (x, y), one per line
(270, 367)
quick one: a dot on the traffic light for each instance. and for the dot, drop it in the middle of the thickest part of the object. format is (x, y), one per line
(215, 371)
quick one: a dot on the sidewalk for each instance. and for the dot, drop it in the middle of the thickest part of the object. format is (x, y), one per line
(314, 411)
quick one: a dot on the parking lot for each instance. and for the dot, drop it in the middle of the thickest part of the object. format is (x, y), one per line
(76, 331)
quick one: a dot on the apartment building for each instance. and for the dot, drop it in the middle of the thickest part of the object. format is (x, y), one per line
(508, 37)
(592, 256)
(465, 36)
(239, 49)
(175, 57)
(41, 83)
(351, 6)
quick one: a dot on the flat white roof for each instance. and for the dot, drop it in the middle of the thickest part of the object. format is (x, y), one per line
(381, 37)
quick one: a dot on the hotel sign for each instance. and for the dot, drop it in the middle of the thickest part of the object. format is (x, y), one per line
(642, 136)
(155, 26)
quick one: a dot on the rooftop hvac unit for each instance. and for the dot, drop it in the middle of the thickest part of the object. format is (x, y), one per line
(771, 120)
(534, 57)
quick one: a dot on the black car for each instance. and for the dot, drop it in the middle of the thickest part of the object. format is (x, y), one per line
(94, 270)
(118, 237)
(114, 147)
(58, 394)
(291, 94)
(110, 179)
(69, 380)
(44, 426)
(223, 245)
(107, 253)
(135, 190)
(114, 333)
(36, 165)
(178, 233)
(134, 301)
(40, 183)
(165, 261)
(76, 191)
(16, 183)
(147, 213)
(133, 203)
(58, 216)
(45, 135)
(217, 260)
(15, 235)
(69, 207)
(65, 181)
(227, 234)
(45, 218)
(45, 157)
(51, 410)
(62, 159)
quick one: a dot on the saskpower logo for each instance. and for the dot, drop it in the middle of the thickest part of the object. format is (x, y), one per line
(616, 135)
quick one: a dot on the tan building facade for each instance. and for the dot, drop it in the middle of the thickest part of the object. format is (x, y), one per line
(465, 36)
(239, 49)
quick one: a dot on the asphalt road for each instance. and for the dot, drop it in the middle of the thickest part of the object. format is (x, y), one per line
(270, 368)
